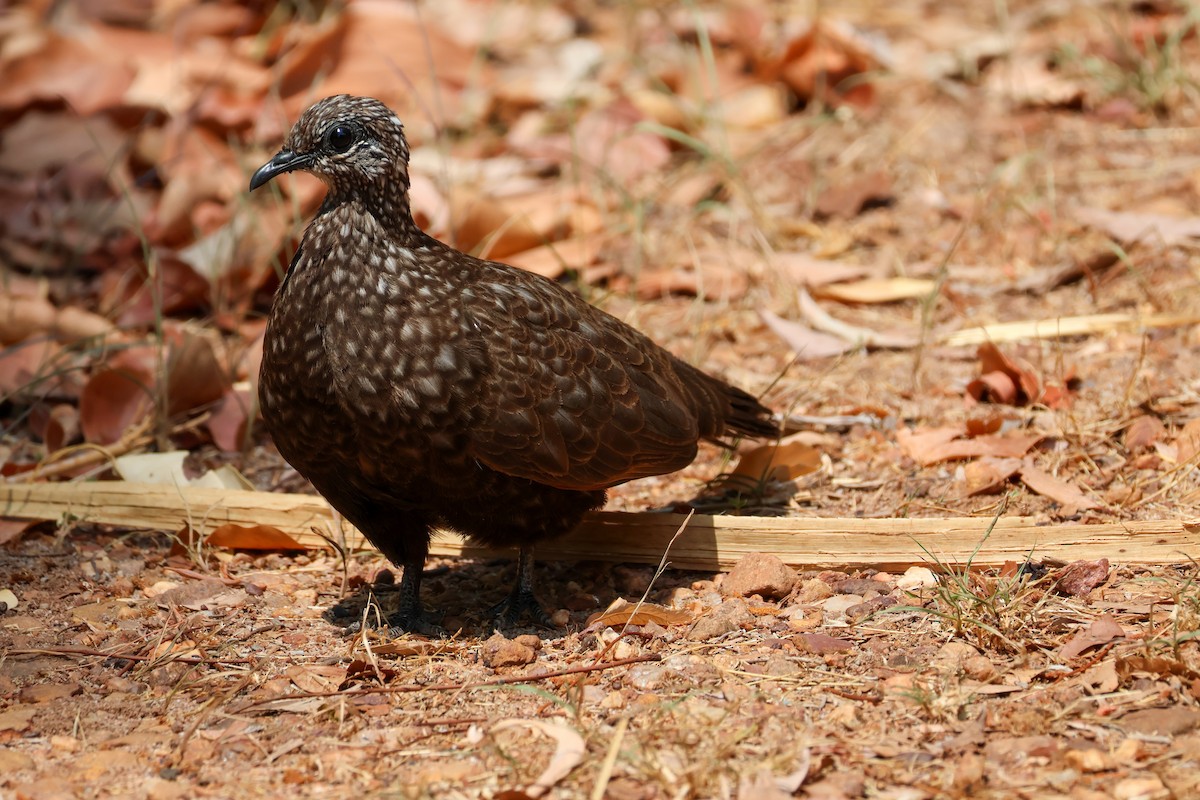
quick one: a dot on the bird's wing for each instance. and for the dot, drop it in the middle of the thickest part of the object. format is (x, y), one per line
(573, 398)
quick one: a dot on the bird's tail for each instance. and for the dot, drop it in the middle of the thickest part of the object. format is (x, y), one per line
(726, 410)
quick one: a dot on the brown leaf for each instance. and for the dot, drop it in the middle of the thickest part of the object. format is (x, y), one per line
(61, 69)
(552, 260)
(22, 317)
(806, 343)
(1069, 498)
(849, 198)
(611, 143)
(825, 63)
(786, 460)
(568, 752)
(876, 290)
(986, 475)
(1154, 665)
(1004, 380)
(711, 281)
(622, 613)
(1143, 432)
(1079, 578)
(195, 376)
(1131, 227)
(1187, 442)
(1104, 629)
(227, 424)
(812, 272)
(11, 529)
(113, 399)
(931, 446)
(255, 537)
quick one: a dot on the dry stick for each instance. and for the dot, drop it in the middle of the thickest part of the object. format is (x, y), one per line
(452, 687)
(167, 659)
(71, 459)
(610, 760)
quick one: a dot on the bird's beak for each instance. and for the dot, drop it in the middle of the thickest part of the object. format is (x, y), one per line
(284, 161)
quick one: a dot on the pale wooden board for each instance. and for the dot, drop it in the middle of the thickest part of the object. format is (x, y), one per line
(708, 542)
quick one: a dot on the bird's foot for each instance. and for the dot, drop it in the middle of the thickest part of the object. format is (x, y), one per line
(519, 604)
(414, 620)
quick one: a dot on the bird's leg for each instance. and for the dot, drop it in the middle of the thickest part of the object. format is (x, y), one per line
(409, 617)
(522, 601)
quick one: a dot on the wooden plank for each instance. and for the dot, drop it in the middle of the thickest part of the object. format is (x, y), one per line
(708, 542)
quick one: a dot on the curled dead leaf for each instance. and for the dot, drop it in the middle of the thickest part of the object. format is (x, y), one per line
(1004, 380)
(621, 612)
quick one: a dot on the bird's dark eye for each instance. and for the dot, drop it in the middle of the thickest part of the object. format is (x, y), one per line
(340, 137)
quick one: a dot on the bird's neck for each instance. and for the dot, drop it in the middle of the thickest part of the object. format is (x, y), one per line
(390, 209)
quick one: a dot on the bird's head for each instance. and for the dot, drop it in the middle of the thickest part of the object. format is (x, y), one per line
(355, 145)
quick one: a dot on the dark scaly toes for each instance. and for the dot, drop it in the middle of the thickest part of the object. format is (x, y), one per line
(519, 604)
(414, 620)
(348, 612)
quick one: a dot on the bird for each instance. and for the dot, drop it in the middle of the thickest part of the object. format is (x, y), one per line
(418, 387)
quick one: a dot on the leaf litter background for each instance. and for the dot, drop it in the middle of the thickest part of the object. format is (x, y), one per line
(822, 205)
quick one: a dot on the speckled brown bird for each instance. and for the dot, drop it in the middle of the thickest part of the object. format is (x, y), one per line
(419, 387)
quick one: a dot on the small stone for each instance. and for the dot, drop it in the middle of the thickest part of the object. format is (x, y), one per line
(501, 652)
(951, 655)
(916, 578)
(870, 606)
(1170, 721)
(729, 616)
(979, 668)
(813, 590)
(1089, 759)
(646, 677)
(761, 574)
(48, 692)
(530, 640)
(1141, 788)
(65, 744)
(858, 586)
(836, 606)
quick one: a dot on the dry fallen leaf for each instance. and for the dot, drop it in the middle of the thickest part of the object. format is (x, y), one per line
(621, 612)
(806, 343)
(1132, 227)
(786, 460)
(1142, 433)
(876, 290)
(255, 537)
(1070, 499)
(1101, 631)
(568, 753)
(113, 399)
(1005, 380)
(848, 198)
(930, 446)
(987, 474)
(826, 63)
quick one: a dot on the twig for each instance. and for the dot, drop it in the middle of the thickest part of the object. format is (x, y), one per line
(453, 687)
(84, 651)
(610, 760)
(71, 459)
